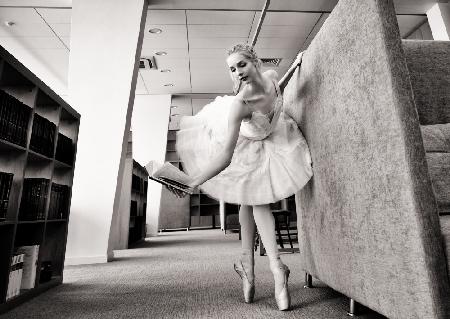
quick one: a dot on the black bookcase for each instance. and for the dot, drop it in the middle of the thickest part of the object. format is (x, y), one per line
(38, 136)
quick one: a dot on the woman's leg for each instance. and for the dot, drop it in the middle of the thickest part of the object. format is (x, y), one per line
(266, 228)
(248, 229)
(246, 266)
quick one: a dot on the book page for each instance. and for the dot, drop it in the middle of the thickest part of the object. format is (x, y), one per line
(170, 175)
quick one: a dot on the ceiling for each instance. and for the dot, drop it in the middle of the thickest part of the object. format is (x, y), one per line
(195, 36)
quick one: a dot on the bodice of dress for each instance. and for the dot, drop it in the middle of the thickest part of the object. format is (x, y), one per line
(260, 125)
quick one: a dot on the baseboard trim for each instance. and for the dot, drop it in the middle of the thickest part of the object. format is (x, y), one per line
(85, 260)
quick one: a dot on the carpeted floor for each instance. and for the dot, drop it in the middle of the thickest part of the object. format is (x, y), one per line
(180, 275)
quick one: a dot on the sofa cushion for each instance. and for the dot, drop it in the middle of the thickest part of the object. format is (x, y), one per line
(439, 169)
(436, 138)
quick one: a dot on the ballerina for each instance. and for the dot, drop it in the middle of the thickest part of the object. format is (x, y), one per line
(244, 149)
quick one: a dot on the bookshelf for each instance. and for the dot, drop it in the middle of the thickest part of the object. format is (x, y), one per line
(174, 211)
(204, 211)
(38, 137)
(138, 205)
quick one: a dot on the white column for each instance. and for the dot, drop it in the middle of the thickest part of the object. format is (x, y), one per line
(439, 20)
(150, 121)
(106, 40)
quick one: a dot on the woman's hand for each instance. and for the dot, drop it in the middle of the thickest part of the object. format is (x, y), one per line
(178, 193)
(298, 59)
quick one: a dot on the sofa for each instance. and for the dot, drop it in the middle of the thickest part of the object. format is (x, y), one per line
(374, 220)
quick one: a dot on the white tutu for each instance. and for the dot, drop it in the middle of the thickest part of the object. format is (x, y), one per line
(271, 160)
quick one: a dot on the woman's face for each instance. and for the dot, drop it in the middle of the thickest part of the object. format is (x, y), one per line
(241, 68)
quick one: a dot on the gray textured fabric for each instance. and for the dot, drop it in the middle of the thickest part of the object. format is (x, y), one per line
(445, 229)
(428, 63)
(436, 138)
(439, 168)
(370, 227)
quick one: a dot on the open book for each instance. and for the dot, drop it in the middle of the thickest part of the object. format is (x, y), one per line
(169, 175)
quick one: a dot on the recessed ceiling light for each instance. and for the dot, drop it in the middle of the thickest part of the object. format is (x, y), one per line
(165, 70)
(155, 31)
(161, 53)
(168, 84)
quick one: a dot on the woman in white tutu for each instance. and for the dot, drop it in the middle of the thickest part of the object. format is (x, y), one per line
(244, 149)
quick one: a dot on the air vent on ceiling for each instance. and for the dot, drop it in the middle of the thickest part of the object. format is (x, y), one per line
(147, 63)
(270, 62)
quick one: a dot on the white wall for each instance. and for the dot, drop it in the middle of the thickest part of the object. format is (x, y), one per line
(103, 70)
(33, 62)
(439, 19)
(149, 123)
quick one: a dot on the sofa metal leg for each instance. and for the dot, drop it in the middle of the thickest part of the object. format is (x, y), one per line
(308, 281)
(353, 308)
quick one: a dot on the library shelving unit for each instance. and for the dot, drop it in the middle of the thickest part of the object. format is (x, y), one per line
(231, 218)
(174, 211)
(138, 207)
(205, 211)
(38, 137)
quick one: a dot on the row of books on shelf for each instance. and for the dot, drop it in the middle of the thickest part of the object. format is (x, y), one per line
(5, 189)
(34, 198)
(59, 202)
(64, 149)
(22, 273)
(14, 118)
(138, 184)
(43, 136)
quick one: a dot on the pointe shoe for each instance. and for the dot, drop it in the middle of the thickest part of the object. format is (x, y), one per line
(282, 298)
(248, 284)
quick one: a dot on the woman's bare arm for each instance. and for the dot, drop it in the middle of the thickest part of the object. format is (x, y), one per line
(237, 113)
(285, 79)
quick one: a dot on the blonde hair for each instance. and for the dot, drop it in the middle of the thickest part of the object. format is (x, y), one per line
(248, 52)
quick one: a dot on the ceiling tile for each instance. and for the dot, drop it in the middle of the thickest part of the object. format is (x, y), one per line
(166, 17)
(276, 53)
(176, 66)
(290, 18)
(54, 15)
(61, 29)
(20, 15)
(162, 44)
(285, 31)
(155, 79)
(219, 30)
(208, 53)
(173, 36)
(168, 30)
(281, 43)
(214, 42)
(20, 29)
(171, 52)
(31, 43)
(66, 41)
(304, 5)
(209, 64)
(219, 17)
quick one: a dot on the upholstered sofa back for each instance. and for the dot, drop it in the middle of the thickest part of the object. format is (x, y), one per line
(368, 220)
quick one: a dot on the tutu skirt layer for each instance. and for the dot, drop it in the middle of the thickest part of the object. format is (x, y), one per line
(261, 171)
